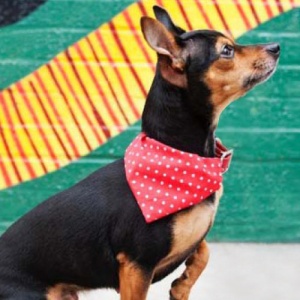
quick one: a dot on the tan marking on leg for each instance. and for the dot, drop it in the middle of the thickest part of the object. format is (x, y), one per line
(63, 292)
(195, 265)
(134, 282)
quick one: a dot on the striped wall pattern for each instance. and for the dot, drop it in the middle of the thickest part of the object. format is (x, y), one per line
(97, 87)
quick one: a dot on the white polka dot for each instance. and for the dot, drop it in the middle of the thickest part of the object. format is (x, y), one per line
(208, 180)
(146, 196)
(145, 176)
(187, 192)
(198, 187)
(170, 186)
(159, 211)
(156, 171)
(163, 202)
(162, 183)
(151, 207)
(171, 205)
(193, 175)
(183, 200)
(201, 178)
(184, 172)
(167, 166)
(176, 169)
(153, 179)
(143, 204)
(158, 191)
(138, 193)
(188, 163)
(150, 188)
(167, 194)
(212, 165)
(196, 167)
(142, 185)
(137, 173)
(175, 197)
(190, 184)
(195, 195)
(148, 168)
(181, 180)
(154, 199)
(178, 189)
(148, 216)
(159, 163)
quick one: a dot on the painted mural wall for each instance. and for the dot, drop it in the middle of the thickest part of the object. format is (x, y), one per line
(74, 77)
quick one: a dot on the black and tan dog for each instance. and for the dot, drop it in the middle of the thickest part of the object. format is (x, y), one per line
(93, 235)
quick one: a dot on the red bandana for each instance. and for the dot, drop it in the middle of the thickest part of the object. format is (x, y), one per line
(165, 180)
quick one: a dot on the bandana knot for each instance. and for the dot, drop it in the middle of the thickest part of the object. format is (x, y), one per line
(165, 180)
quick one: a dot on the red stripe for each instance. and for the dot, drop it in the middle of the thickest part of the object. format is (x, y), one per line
(4, 172)
(37, 123)
(293, 3)
(16, 171)
(139, 40)
(16, 139)
(107, 80)
(26, 131)
(51, 72)
(254, 11)
(187, 21)
(244, 17)
(111, 61)
(102, 94)
(267, 7)
(142, 7)
(159, 2)
(57, 115)
(125, 56)
(204, 15)
(78, 102)
(222, 17)
(280, 8)
(49, 120)
(97, 115)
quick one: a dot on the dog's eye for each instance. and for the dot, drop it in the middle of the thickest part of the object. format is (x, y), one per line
(227, 51)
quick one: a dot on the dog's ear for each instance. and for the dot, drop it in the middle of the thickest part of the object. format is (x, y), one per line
(163, 17)
(162, 41)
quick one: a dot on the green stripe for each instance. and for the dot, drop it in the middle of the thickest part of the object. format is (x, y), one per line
(262, 188)
(53, 27)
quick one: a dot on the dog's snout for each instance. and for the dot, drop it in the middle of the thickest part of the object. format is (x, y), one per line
(273, 49)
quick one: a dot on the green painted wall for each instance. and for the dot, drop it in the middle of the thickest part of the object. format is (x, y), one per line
(262, 189)
(51, 29)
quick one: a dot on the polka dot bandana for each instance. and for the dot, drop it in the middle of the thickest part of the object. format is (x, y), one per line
(165, 180)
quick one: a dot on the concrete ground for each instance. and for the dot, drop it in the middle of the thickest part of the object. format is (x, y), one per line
(236, 272)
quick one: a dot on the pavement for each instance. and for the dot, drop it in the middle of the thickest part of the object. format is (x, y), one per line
(236, 272)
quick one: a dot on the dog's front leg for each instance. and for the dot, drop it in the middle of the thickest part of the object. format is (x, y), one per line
(134, 281)
(195, 265)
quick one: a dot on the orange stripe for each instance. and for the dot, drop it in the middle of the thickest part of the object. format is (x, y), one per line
(222, 18)
(4, 172)
(114, 32)
(267, 8)
(16, 171)
(140, 42)
(49, 120)
(51, 72)
(203, 13)
(57, 115)
(254, 12)
(129, 99)
(16, 138)
(88, 98)
(107, 80)
(85, 114)
(102, 94)
(242, 13)
(36, 121)
(187, 21)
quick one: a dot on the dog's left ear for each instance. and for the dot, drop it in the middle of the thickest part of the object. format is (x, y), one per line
(163, 17)
(162, 41)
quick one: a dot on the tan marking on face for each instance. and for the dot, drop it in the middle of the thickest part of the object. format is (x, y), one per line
(189, 227)
(63, 292)
(226, 76)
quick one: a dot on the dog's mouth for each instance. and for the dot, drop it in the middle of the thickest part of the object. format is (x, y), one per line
(257, 78)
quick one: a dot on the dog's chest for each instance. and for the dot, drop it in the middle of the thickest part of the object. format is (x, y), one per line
(189, 228)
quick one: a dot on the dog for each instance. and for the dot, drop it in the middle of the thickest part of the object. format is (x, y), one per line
(94, 235)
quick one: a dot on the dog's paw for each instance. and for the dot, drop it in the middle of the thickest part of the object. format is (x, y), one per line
(176, 294)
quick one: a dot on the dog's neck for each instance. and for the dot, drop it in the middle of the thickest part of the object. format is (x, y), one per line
(171, 117)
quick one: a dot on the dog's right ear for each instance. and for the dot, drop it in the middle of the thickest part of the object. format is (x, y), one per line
(172, 63)
(163, 17)
(162, 41)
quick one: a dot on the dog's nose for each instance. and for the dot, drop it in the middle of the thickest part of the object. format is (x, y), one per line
(273, 49)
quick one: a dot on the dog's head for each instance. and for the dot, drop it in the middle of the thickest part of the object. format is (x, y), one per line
(207, 60)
